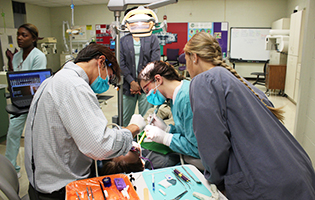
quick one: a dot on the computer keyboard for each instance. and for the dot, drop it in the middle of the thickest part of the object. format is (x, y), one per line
(22, 103)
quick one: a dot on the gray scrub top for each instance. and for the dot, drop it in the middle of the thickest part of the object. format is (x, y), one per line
(244, 148)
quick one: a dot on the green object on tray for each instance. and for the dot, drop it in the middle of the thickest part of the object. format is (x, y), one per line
(157, 147)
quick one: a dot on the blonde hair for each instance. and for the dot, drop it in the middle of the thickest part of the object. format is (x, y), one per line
(208, 49)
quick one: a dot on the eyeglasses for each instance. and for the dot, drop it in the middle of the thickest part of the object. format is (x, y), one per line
(146, 90)
(109, 64)
(113, 79)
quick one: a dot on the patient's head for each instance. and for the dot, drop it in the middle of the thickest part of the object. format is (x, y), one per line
(131, 162)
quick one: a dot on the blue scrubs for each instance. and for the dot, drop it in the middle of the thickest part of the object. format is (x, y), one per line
(184, 140)
(244, 148)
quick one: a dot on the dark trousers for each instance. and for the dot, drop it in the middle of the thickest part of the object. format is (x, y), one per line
(57, 195)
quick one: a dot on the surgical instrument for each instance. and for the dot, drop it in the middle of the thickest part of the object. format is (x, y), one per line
(92, 193)
(181, 175)
(88, 195)
(180, 180)
(154, 113)
(180, 195)
(197, 181)
(153, 184)
(102, 190)
(78, 195)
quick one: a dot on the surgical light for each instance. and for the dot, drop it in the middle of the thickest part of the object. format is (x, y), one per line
(140, 25)
(140, 22)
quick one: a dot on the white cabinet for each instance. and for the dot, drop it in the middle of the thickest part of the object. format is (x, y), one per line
(283, 23)
(295, 32)
(294, 55)
(291, 76)
(277, 58)
(297, 82)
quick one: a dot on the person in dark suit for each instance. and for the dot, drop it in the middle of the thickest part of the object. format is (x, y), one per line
(135, 54)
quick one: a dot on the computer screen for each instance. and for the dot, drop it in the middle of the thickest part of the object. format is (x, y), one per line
(26, 83)
(112, 45)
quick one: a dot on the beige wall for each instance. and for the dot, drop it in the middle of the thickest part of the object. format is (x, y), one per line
(239, 13)
(83, 15)
(6, 7)
(293, 3)
(37, 15)
(40, 17)
(305, 115)
(246, 13)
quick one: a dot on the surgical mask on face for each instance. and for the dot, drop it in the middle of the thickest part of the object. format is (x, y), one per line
(100, 85)
(157, 98)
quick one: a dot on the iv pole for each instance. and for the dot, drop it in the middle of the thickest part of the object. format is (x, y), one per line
(120, 84)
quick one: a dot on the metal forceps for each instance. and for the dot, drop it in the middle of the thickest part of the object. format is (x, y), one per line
(88, 195)
(180, 195)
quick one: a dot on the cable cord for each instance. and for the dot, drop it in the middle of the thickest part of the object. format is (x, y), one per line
(113, 124)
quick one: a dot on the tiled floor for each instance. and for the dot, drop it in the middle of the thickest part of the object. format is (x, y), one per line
(110, 108)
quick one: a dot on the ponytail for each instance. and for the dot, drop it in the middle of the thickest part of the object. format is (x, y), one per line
(209, 50)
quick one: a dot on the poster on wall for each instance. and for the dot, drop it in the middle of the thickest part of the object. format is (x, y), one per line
(219, 30)
(196, 27)
(103, 36)
(174, 38)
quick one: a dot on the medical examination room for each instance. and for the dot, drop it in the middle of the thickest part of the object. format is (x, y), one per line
(157, 99)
